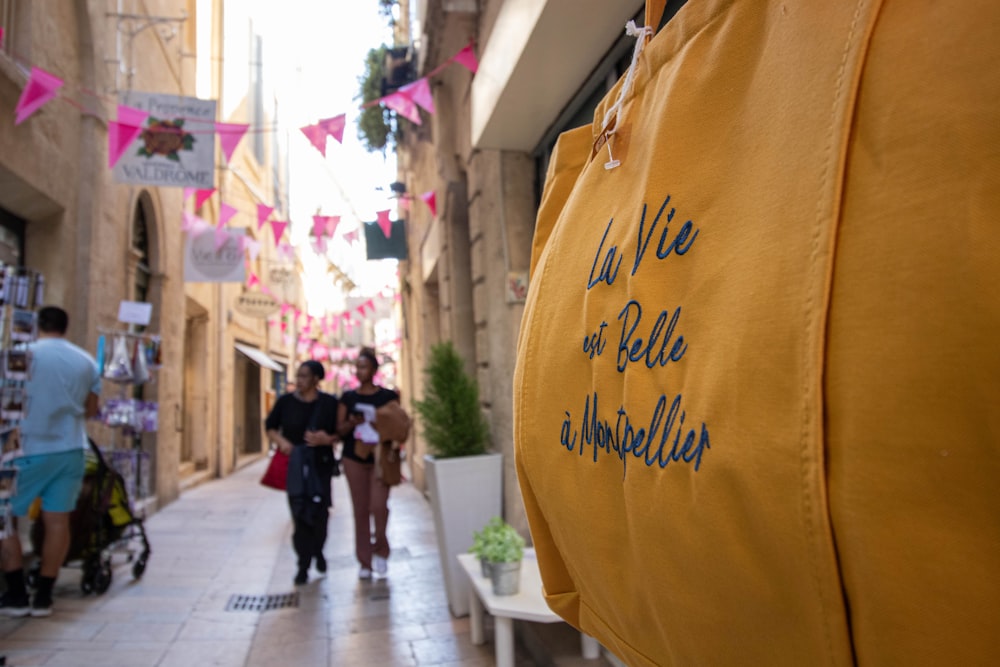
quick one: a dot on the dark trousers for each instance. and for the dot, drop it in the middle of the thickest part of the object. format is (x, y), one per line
(309, 534)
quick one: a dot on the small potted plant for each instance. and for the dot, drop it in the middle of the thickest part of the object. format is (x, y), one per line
(480, 541)
(504, 550)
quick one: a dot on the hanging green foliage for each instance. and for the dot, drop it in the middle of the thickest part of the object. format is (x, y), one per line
(375, 122)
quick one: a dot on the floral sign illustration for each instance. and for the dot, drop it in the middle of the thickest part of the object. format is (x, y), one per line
(166, 138)
(176, 147)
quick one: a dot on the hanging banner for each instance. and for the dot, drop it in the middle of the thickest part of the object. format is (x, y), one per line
(206, 263)
(176, 147)
(383, 246)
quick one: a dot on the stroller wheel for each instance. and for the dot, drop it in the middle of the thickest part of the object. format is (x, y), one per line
(139, 568)
(102, 578)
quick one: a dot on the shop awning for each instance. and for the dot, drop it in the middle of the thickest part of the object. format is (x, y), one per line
(259, 357)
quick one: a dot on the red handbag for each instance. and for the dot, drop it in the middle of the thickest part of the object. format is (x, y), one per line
(276, 475)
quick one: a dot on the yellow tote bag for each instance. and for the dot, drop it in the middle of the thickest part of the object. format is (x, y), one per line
(757, 411)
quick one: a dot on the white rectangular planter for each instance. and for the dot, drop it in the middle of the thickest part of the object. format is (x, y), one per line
(465, 492)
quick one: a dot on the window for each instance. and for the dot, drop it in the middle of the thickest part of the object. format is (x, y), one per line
(11, 239)
(140, 246)
(15, 19)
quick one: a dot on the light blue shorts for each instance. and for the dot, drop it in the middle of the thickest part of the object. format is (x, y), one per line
(55, 478)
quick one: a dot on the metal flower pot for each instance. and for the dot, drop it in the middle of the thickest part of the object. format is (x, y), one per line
(486, 567)
(506, 578)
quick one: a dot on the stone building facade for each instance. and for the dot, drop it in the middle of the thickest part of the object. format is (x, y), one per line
(543, 66)
(99, 242)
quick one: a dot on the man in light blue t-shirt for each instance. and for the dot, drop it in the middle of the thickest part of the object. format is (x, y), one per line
(62, 392)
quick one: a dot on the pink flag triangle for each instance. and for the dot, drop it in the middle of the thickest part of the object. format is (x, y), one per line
(230, 135)
(331, 224)
(252, 279)
(351, 236)
(403, 105)
(385, 223)
(319, 225)
(41, 88)
(467, 58)
(316, 136)
(319, 246)
(278, 228)
(285, 308)
(221, 236)
(371, 304)
(202, 196)
(131, 116)
(252, 246)
(120, 137)
(334, 127)
(420, 92)
(192, 223)
(188, 192)
(226, 212)
(263, 213)
(431, 200)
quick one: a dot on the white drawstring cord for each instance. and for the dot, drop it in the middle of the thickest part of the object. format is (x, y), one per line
(614, 112)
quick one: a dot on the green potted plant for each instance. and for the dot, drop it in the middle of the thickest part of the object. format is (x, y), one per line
(464, 479)
(504, 550)
(480, 542)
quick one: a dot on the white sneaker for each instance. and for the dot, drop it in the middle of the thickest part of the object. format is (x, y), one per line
(380, 566)
(364, 573)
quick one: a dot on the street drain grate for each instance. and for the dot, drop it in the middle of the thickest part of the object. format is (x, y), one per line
(262, 602)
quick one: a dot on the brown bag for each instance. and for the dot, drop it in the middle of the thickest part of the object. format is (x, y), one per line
(390, 464)
(392, 422)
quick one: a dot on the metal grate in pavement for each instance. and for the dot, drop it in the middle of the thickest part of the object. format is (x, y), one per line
(262, 602)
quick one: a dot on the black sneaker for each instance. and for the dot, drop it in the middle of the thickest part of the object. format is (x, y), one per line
(321, 564)
(15, 606)
(41, 605)
(301, 578)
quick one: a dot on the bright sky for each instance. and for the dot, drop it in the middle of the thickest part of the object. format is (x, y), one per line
(314, 53)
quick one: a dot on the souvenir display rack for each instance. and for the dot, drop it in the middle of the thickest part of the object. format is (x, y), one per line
(128, 359)
(22, 291)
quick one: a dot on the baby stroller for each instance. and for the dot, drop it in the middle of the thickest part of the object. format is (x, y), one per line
(101, 524)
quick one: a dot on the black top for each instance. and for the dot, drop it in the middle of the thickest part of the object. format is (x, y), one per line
(292, 416)
(351, 399)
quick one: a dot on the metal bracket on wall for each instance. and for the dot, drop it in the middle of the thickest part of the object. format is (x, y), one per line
(130, 26)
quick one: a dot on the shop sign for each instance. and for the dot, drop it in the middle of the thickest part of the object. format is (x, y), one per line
(256, 304)
(206, 263)
(176, 147)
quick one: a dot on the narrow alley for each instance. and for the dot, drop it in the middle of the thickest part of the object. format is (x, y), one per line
(232, 537)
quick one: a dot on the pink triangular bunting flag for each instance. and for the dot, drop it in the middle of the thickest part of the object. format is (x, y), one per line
(467, 59)
(334, 127)
(316, 136)
(252, 280)
(331, 224)
(226, 212)
(285, 308)
(221, 236)
(41, 88)
(403, 105)
(188, 192)
(230, 135)
(131, 116)
(120, 137)
(278, 228)
(202, 196)
(420, 92)
(384, 223)
(319, 246)
(319, 225)
(192, 223)
(263, 213)
(431, 200)
(252, 246)
(371, 304)
(351, 236)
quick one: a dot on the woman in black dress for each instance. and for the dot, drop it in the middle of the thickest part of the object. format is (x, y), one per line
(369, 494)
(303, 424)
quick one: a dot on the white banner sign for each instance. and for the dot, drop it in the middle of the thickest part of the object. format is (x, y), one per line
(177, 145)
(203, 263)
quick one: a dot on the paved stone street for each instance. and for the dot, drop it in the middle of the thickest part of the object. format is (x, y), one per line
(232, 536)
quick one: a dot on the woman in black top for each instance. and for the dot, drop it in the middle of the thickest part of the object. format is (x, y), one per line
(303, 424)
(369, 494)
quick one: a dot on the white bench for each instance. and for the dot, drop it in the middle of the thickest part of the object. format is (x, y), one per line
(527, 605)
